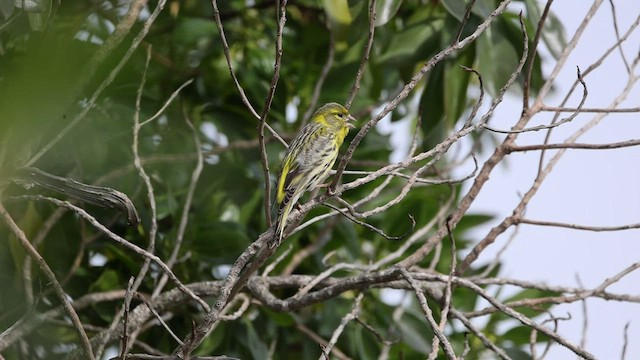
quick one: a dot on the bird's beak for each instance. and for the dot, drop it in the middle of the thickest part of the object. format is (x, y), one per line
(350, 118)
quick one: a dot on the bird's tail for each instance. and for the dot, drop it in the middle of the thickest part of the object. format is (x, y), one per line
(280, 224)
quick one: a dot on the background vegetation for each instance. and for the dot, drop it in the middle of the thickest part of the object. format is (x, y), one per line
(138, 96)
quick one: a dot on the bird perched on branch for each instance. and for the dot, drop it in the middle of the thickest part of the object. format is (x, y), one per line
(309, 159)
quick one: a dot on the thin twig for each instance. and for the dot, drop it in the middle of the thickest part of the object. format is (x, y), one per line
(365, 54)
(483, 338)
(579, 227)
(614, 17)
(124, 347)
(569, 118)
(589, 110)
(281, 16)
(489, 165)
(609, 146)
(322, 342)
(585, 317)
(167, 102)
(532, 55)
(625, 341)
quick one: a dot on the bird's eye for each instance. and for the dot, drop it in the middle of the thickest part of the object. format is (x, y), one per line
(340, 115)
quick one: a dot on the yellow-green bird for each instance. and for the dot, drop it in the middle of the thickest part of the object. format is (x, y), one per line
(309, 159)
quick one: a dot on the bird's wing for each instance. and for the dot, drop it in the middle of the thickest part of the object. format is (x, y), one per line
(291, 171)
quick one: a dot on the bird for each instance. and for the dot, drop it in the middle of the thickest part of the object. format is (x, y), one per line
(309, 159)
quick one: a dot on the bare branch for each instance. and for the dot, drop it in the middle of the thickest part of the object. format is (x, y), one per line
(578, 227)
(124, 347)
(609, 146)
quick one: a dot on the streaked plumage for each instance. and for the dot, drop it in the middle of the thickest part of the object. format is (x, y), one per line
(309, 159)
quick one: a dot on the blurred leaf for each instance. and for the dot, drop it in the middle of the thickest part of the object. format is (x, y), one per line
(554, 36)
(258, 349)
(455, 87)
(218, 239)
(497, 60)
(517, 354)
(30, 222)
(458, 8)
(432, 108)
(521, 335)
(405, 42)
(553, 33)
(282, 319)
(191, 30)
(414, 337)
(338, 10)
(108, 280)
(385, 10)
(6, 7)
(471, 221)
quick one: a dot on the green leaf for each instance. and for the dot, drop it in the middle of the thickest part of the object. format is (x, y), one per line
(432, 108)
(338, 10)
(413, 336)
(257, 348)
(554, 36)
(455, 87)
(190, 30)
(533, 294)
(522, 334)
(219, 241)
(30, 223)
(108, 280)
(385, 10)
(403, 44)
(497, 60)
(458, 8)
(553, 33)
(282, 319)
(6, 7)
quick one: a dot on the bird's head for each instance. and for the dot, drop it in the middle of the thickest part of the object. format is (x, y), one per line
(334, 115)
